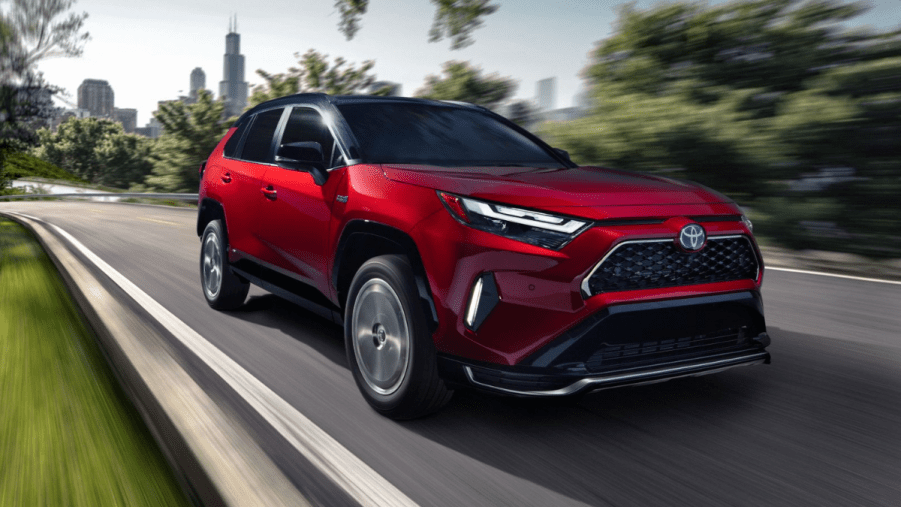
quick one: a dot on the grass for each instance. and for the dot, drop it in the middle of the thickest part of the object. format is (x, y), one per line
(22, 165)
(68, 433)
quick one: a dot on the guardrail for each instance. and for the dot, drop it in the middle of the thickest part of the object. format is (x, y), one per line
(179, 197)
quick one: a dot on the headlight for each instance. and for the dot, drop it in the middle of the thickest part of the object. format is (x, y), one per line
(533, 227)
(747, 222)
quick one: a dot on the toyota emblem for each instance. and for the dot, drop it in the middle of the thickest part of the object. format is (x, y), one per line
(692, 237)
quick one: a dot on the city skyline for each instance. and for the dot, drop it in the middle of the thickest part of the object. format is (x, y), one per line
(146, 51)
(233, 88)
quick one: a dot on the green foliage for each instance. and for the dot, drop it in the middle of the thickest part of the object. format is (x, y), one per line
(96, 150)
(520, 112)
(190, 133)
(71, 436)
(44, 29)
(463, 82)
(23, 165)
(747, 97)
(315, 74)
(454, 19)
(31, 31)
(350, 11)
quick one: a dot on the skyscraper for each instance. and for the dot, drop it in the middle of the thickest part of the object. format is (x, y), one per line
(96, 95)
(198, 81)
(233, 88)
(547, 89)
(127, 117)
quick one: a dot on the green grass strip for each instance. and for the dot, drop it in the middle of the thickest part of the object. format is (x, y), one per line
(68, 433)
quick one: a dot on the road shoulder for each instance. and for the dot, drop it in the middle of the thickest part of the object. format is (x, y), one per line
(214, 457)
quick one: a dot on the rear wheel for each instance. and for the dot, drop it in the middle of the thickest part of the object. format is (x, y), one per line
(389, 348)
(223, 289)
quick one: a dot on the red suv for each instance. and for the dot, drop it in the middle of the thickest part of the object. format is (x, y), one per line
(458, 250)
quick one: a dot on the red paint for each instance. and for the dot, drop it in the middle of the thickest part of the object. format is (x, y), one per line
(539, 288)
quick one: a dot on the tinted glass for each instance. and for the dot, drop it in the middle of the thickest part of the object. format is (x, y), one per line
(258, 145)
(231, 146)
(306, 125)
(437, 135)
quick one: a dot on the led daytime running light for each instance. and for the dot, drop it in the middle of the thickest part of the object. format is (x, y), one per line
(521, 216)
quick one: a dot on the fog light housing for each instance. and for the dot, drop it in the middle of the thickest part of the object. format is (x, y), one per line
(483, 297)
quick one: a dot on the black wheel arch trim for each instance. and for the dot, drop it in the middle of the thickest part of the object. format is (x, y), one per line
(209, 210)
(357, 230)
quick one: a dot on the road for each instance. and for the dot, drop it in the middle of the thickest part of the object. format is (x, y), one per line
(819, 426)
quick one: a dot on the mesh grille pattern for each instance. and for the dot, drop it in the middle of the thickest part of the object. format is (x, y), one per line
(658, 264)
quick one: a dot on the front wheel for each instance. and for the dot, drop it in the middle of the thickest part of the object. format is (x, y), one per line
(389, 348)
(223, 289)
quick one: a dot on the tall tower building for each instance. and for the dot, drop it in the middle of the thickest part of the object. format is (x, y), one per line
(96, 96)
(233, 88)
(547, 90)
(198, 81)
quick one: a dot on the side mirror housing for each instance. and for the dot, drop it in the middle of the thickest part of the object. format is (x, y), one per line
(303, 156)
(563, 153)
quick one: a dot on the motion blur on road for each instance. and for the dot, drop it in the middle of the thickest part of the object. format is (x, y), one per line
(791, 108)
(819, 426)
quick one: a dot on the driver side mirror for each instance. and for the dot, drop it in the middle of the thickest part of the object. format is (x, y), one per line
(303, 156)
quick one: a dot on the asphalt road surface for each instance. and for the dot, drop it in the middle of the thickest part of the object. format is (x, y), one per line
(819, 426)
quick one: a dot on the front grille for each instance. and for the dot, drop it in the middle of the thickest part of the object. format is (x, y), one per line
(638, 354)
(656, 264)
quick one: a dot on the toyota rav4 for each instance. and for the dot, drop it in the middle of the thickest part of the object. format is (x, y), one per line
(459, 250)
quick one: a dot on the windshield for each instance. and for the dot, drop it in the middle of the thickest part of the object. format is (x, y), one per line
(404, 133)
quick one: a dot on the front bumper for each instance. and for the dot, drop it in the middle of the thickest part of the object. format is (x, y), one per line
(631, 344)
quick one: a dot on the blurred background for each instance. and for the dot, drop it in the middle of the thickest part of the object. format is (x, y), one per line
(790, 107)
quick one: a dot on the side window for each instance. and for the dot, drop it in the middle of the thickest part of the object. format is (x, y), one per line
(258, 145)
(231, 147)
(305, 125)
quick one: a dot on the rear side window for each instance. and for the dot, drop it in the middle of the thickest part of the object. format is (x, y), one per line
(258, 146)
(231, 147)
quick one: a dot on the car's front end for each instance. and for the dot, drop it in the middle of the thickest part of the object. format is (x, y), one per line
(582, 295)
(552, 279)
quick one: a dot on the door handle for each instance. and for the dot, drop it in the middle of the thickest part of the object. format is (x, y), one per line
(270, 193)
(227, 178)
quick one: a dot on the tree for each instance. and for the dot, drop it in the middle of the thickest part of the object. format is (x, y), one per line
(44, 31)
(521, 112)
(463, 82)
(97, 150)
(31, 30)
(746, 97)
(314, 73)
(190, 133)
(454, 19)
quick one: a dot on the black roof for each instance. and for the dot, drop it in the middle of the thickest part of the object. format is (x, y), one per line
(321, 99)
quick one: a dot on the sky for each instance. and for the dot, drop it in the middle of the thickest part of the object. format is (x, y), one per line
(146, 50)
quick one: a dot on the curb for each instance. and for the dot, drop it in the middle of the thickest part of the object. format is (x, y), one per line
(214, 458)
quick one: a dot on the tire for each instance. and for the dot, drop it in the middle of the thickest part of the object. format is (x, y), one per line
(389, 348)
(223, 289)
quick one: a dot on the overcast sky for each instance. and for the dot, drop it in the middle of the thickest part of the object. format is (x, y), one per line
(146, 50)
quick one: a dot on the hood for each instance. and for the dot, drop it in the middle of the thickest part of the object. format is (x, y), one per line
(546, 188)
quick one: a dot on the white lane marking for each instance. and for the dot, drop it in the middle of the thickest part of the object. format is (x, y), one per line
(355, 477)
(849, 277)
